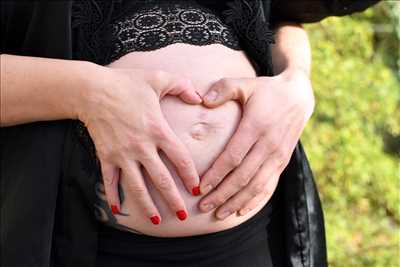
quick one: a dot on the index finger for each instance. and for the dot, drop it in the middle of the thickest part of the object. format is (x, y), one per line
(181, 158)
(237, 148)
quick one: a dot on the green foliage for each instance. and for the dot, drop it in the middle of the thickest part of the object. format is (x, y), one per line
(353, 137)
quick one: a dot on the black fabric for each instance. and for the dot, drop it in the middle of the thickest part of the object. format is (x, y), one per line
(120, 249)
(75, 233)
(46, 217)
(31, 159)
(36, 28)
(297, 229)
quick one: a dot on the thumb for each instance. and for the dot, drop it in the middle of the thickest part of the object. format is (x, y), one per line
(177, 85)
(227, 89)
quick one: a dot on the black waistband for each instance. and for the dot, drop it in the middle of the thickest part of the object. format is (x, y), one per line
(233, 240)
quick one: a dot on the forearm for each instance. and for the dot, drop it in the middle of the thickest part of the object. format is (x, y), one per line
(40, 89)
(292, 49)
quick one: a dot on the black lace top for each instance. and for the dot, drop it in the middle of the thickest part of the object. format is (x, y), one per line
(160, 23)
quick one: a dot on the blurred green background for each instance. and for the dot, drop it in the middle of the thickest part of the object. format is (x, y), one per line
(353, 137)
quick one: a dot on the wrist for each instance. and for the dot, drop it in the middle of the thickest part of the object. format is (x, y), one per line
(294, 71)
(90, 85)
(299, 82)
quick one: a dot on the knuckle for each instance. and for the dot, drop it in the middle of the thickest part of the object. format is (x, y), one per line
(164, 182)
(104, 152)
(257, 189)
(210, 183)
(107, 180)
(138, 192)
(250, 125)
(225, 82)
(280, 154)
(274, 146)
(158, 133)
(257, 126)
(280, 158)
(232, 206)
(132, 144)
(234, 158)
(268, 192)
(282, 164)
(155, 129)
(235, 207)
(184, 164)
(141, 150)
(220, 199)
(242, 181)
(159, 75)
(215, 181)
(182, 81)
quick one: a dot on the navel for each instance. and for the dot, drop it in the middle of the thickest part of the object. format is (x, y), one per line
(200, 131)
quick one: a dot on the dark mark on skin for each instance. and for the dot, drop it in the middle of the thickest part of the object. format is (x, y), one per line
(103, 211)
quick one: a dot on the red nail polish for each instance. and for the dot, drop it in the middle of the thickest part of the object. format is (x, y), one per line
(155, 219)
(196, 191)
(114, 209)
(181, 214)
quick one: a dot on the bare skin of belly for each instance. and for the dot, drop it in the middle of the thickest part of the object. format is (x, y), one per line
(204, 131)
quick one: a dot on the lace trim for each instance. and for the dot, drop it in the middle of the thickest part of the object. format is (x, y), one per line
(164, 23)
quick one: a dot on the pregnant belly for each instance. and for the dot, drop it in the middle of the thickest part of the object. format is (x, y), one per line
(205, 132)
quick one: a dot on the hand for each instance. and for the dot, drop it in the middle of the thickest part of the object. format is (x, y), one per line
(123, 115)
(275, 111)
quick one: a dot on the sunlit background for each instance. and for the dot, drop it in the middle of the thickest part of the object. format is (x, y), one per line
(353, 137)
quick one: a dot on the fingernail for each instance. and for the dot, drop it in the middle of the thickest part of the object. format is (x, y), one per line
(114, 209)
(207, 189)
(208, 206)
(196, 190)
(181, 214)
(224, 214)
(211, 96)
(155, 219)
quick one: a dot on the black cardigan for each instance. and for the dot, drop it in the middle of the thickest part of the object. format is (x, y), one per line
(47, 173)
